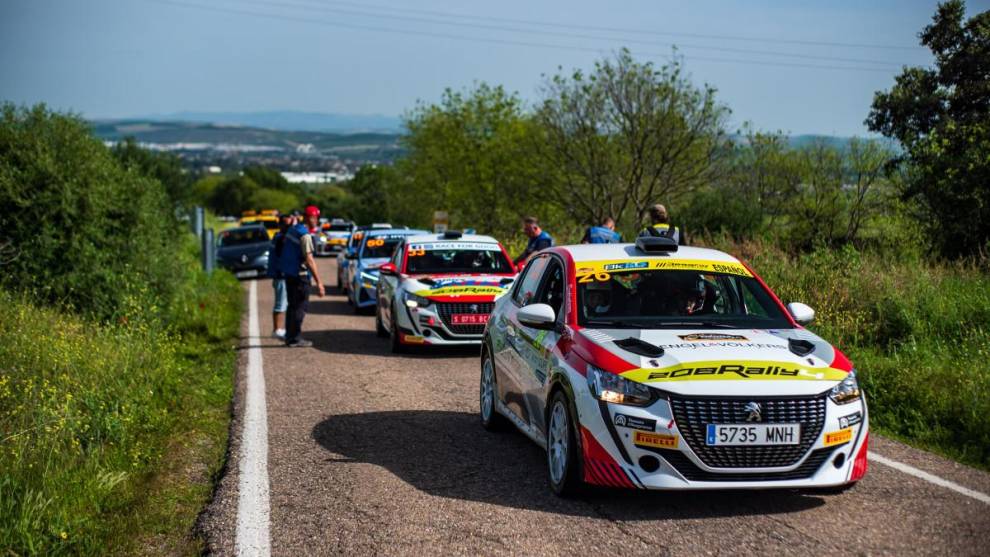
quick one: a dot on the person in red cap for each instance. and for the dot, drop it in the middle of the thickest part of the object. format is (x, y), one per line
(312, 214)
(295, 261)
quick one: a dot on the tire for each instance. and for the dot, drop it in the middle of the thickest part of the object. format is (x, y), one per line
(397, 346)
(562, 456)
(379, 326)
(487, 393)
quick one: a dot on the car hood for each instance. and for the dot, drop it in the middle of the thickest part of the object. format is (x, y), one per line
(447, 288)
(250, 250)
(742, 362)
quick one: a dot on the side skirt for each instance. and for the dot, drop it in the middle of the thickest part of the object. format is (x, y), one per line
(528, 431)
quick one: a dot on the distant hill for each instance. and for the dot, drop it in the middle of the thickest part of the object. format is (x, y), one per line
(288, 120)
(369, 145)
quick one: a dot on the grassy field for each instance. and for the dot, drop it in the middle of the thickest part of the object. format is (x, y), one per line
(110, 434)
(918, 332)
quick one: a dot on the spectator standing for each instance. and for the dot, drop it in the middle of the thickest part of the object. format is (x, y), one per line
(538, 239)
(278, 278)
(603, 234)
(660, 223)
(296, 262)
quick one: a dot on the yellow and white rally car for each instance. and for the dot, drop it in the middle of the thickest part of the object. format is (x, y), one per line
(439, 289)
(654, 366)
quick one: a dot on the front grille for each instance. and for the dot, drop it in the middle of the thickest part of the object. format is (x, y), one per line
(693, 414)
(691, 472)
(447, 310)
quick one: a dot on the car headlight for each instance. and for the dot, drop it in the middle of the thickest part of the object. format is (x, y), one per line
(415, 301)
(264, 254)
(610, 387)
(846, 391)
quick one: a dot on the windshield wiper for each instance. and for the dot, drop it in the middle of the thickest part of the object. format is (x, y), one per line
(693, 324)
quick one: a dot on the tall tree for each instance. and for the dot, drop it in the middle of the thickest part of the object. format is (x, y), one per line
(941, 116)
(626, 136)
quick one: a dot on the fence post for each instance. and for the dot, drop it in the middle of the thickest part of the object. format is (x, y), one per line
(209, 253)
(198, 220)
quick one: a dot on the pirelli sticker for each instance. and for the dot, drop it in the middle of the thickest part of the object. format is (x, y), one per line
(838, 437)
(735, 371)
(658, 440)
(462, 291)
(590, 271)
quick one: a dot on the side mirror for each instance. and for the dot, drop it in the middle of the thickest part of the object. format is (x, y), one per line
(537, 316)
(388, 269)
(802, 313)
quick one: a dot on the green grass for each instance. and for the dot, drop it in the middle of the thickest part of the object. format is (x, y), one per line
(111, 433)
(918, 332)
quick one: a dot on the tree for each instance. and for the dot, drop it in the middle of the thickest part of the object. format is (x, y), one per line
(164, 167)
(368, 198)
(470, 155)
(627, 136)
(941, 117)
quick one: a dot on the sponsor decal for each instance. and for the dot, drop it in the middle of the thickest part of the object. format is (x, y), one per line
(658, 440)
(838, 437)
(590, 271)
(626, 266)
(461, 290)
(446, 246)
(734, 371)
(850, 420)
(711, 336)
(696, 345)
(632, 422)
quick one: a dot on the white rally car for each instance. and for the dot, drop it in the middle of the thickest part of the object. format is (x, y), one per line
(651, 366)
(439, 289)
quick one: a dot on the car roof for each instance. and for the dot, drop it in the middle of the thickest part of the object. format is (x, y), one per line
(602, 252)
(246, 227)
(426, 238)
(391, 232)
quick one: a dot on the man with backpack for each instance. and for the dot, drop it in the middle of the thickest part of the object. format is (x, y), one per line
(294, 253)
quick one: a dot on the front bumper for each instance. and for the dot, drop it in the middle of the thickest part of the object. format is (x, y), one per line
(432, 325)
(258, 264)
(673, 457)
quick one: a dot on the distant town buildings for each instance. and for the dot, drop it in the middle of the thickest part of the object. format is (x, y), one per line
(317, 177)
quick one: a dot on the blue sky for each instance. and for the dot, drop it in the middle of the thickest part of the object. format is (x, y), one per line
(117, 58)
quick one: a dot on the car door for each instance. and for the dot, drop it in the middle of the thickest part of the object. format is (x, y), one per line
(509, 350)
(536, 345)
(388, 285)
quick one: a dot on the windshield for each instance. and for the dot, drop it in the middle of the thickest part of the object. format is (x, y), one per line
(242, 236)
(380, 246)
(676, 299)
(456, 257)
(340, 228)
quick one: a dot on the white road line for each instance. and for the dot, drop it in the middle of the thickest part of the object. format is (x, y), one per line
(931, 478)
(252, 499)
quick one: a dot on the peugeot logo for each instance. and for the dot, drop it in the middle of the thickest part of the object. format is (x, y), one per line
(473, 308)
(753, 412)
(244, 258)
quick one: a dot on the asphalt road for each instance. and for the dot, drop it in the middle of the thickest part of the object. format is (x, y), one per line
(372, 453)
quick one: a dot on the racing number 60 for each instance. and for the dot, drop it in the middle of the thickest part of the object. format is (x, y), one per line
(376, 243)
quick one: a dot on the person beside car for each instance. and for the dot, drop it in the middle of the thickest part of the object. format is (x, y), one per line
(660, 224)
(281, 303)
(602, 234)
(296, 262)
(538, 239)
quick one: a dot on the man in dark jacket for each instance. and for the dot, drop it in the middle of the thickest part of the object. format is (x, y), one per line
(296, 262)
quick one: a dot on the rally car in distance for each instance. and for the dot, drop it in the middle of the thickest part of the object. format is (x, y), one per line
(440, 289)
(350, 248)
(333, 236)
(374, 249)
(654, 366)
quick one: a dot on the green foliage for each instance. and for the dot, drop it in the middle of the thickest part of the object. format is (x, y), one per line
(368, 197)
(916, 330)
(941, 116)
(88, 413)
(75, 226)
(164, 167)
(267, 198)
(471, 156)
(625, 136)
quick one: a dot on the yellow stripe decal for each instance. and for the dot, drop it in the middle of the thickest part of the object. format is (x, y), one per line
(735, 370)
(599, 270)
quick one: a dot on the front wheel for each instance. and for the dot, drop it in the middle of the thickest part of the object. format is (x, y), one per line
(379, 326)
(490, 418)
(562, 448)
(397, 346)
